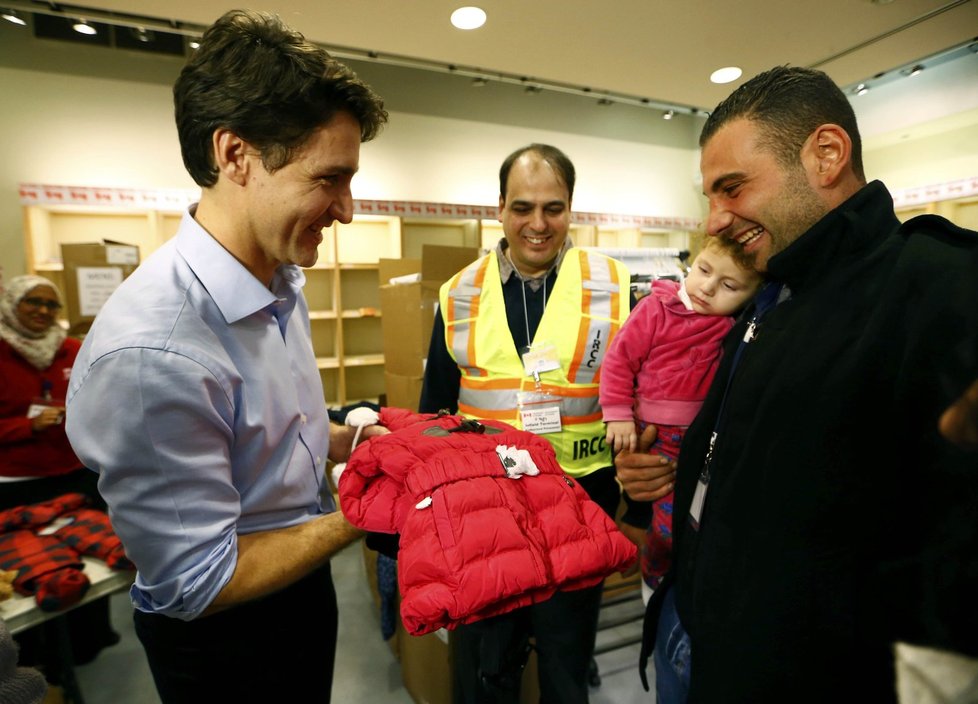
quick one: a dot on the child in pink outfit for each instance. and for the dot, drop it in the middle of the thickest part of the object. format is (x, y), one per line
(661, 364)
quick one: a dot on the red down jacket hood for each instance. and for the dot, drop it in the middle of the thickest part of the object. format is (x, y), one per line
(475, 542)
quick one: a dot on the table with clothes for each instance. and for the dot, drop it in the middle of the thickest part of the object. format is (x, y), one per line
(57, 556)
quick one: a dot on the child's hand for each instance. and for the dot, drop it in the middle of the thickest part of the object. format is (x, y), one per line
(621, 435)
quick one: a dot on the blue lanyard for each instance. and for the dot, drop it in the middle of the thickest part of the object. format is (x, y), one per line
(766, 300)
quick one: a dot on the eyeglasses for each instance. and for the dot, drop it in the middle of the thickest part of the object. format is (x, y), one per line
(51, 305)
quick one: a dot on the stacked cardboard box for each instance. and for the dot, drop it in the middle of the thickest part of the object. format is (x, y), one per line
(91, 273)
(408, 306)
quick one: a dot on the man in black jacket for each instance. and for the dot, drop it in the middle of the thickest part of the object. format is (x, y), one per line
(806, 482)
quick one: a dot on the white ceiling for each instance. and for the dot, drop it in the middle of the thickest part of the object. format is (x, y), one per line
(663, 50)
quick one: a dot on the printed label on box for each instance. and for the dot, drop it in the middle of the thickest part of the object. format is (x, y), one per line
(121, 254)
(95, 285)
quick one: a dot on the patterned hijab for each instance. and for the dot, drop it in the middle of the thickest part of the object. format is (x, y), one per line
(38, 348)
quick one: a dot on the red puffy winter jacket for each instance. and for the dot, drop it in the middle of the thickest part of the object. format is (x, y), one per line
(474, 542)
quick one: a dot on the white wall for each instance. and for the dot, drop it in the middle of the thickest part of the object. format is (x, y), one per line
(457, 161)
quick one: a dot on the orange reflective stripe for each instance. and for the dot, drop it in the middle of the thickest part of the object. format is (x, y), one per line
(476, 412)
(462, 316)
(491, 384)
(582, 330)
(480, 277)
(616, 297)
(449, 314)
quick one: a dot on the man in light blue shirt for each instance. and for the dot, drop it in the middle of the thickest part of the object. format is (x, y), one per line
(196, 395)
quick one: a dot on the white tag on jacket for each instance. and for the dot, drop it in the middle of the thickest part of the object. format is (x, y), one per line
(424, 503)
(516, 462)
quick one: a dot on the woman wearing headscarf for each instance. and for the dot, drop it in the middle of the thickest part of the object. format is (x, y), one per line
(36, 461)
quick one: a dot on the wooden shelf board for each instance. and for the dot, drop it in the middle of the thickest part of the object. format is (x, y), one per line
(363, 360)
(362, 313)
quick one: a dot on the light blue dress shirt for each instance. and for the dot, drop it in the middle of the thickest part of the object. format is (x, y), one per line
(197, 399)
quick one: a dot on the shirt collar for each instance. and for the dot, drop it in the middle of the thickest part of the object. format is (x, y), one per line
(506, 268)
(234, 289)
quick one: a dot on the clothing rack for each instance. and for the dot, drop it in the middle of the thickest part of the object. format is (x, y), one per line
(649, 264)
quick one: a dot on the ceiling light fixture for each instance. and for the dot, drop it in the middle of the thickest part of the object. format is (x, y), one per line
(83, 27)
(915, 70)
(861, 89)
(13, 17)
(605, 101)
(479, 81)
(533, 89)
(193, 44)
(142, 34)
(469, 17)
(668, 114)
(726, 74)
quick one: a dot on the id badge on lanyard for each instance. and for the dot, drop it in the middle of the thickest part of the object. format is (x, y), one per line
(539, 411)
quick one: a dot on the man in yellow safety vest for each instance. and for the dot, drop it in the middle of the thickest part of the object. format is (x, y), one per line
(520, 338)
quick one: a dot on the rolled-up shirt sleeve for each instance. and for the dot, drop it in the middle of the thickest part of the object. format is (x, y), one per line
(158, 427)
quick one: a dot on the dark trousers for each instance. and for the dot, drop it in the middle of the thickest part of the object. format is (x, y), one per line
(488, 656)
(277, 649)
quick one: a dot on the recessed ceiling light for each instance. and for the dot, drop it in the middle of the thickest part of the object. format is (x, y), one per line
(469, 17)
(725, 75)
(14, 17)
(83, 27)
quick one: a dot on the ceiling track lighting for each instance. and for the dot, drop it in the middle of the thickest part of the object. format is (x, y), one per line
(142, 34)
(668, 114)
(913, 70)
(861, 89)
(13, 17)
(192, 33)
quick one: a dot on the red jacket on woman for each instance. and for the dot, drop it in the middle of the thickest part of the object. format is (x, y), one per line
(24, 453)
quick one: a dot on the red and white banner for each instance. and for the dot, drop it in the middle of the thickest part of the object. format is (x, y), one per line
(929, 194)
(176, 200)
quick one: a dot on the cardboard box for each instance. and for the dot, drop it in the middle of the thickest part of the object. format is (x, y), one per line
(91, 273)
(402, 391)
(426, 668)
(409, 308)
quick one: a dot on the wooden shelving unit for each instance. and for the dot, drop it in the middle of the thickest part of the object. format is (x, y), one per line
(344, 307)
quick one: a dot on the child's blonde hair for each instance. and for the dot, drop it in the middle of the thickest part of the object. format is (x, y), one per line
(722, 245)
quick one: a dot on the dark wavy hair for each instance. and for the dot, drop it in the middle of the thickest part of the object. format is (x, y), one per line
(789, 103)
(553, 156)
(262, 80)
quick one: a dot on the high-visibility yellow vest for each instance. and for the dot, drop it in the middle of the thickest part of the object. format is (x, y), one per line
(588, 305)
